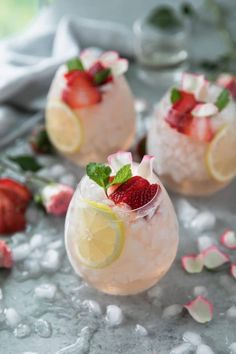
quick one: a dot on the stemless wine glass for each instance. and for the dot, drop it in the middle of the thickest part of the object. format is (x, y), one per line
(116, 250)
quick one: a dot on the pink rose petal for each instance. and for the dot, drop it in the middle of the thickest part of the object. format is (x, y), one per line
(233, 270)
(6, 260)
(200, 309)
(193, 263)
(119, 159)
(228, 239)
(145, 168)
(214, 258)
(56, 198)
(204, 110)
(119, 67)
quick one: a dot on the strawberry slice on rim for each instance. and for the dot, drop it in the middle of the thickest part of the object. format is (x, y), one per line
(80, 91)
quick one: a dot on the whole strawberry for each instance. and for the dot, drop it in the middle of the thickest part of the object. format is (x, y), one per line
(40, 142)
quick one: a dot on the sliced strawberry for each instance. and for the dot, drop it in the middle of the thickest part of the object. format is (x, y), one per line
(80, 91)
(136, 192)
(22, 194)
(95, 68)
(11, 215)
(199, 129)
(75, 75)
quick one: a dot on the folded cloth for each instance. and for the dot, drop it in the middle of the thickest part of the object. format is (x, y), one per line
(29, 61)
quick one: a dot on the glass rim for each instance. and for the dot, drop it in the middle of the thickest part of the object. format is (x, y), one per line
(123, 210)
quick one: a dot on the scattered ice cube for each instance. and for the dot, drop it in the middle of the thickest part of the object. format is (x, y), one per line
(232, 348)
(57, 171)
(172, 311)
(200, 291)
(18, 238)
(32, 215)
(204, 349)
(68, 180)
(185, 348)
(21, 252)
(51, 261)
(155, 292)
(231, 312)
(203, 221)
(192, 337)
(32, 266)
(12, 317)
(36, 241)
(204, 242)
(56, 244)
(45, 173)
(186, 212)
(43, 328)
(93, 307)
(45, 291)
(81, 345)
(22, 331)
(114, 316)
(140, 330)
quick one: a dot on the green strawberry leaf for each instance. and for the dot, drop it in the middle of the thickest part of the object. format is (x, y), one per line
(122, 175)
(99, 173)
(75, 64)
(175, 95)
(223, 99)
(26, 162)
(101, 76)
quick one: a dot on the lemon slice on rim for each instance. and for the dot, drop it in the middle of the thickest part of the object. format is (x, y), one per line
(221, 154)
(63, 127)
(100, 237)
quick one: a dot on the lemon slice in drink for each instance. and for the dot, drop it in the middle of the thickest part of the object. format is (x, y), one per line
(221, 155)
(100, 239)
(63, 127)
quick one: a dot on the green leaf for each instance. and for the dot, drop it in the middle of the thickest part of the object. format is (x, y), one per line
(122, 175)
(175, 95)
(75, 64)
(26, 162)
(223, 99)
(99, 173)
(164, 17)
(101, 76)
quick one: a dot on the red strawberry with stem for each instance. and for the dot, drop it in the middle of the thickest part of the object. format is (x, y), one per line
(80, 91)
(136, 192)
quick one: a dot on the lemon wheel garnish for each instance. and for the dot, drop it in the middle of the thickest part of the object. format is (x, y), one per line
(221, 155)
(100, 237)
(63, 127)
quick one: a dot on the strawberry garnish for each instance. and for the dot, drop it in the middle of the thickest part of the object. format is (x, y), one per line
(80, 91)
(100, 74)
(12, 217)
(136, 192)
(20, 192)
(199, 129)
(6, 260)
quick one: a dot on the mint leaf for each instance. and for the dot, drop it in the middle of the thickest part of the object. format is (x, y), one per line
(26, 162)
(223, 99)
(99, 173)
(122, 175)
(101, 76)
(175, 95)
(75, 64)
(164, 17)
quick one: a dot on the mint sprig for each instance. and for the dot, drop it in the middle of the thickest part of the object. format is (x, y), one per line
(175, 95)
(101, 76)
(75, 64)
(101, 174)
(223, 99)
(26, 162)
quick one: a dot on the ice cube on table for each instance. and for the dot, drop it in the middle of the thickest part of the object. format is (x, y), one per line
(12, 317)
(200, 291)
(22, 331)
(186, 212)
(231, 312)
(172, 311)
(46, 291)
(57, 171)
(51, 261)
(155, 292)
(32, 266)
(81, 345)
(204, 349)
(43, 328)
(21, 252)
(184, 348)
(32, 215)
(203, 221)
(232, 348)
(93, 307)
(68, 180)
(36, 241)
(114, 315)
(205, 242)
(140, 330)
(192, 337)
